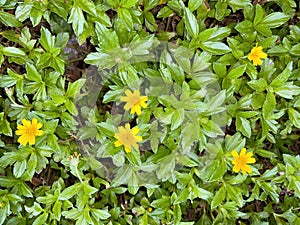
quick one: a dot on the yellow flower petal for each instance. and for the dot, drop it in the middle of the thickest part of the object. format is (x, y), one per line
(34, 121)
(262, 55)
(132, 111)
(247, 169)
(28, 131)
(127, 137)
(118, 144)
(243, 152)
(138, 138)
(135, 130)
(39, 133)
(22, 140)
(26, 122)
(134, 101)
(39, 126)
(136, 92)
(124, 98)
(256, 54)
(234, 153)
(236, 168)
(251, 160)
(31, 139)
(128, 92)
(241, 161)
(137, 109)
(127, 126)
(127, 149)
(20, 132)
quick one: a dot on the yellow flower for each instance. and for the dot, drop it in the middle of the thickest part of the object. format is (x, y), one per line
(134, 101)
(240, 161)
(256, 55)
(28, 131)
(127, 137)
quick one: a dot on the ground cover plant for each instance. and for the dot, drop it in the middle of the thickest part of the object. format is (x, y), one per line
(149, 112)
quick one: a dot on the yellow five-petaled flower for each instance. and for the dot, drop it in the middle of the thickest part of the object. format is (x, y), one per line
(240, 161)
(134, 101)
(256, 55)
(127, 137)
(28, 131)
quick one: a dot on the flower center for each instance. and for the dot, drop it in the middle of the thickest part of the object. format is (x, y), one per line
(255, 54)
(31, 131)
(127, 138)
(242, 161)
(135, 100)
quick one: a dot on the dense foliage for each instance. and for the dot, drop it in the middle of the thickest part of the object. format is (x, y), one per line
(149, 112)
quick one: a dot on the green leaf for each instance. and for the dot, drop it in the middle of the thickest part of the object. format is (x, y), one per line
(47, 40)
(75, 87)
(40, 220)
(245, 26)
(125, 15)
(36, 16)
(201, 193)
(128, 3)
(59, 8)
(216, 48)
(32, 73)
(77, 19)
(237, 72)
(5, 126)
(191, 23)
(9, 20)
(295, 50)
(283, 76)
(12, 51)
(23, 12)
(263, 29)
(165, 12)
(270, 190)
(213, 170)
(294, 117)
(150, 21)
(234, 142)
(269, 104)
(275, 19)
(243, 125)
(87, 6)
(150, 4)
(190, 134)
(100, 214)
(102, 60)
(259, 15)
(177, 214)
(218, 34)
(182, 196)
(234, 193)
(288, 90)
(221, 10)
(71, 107)
(163, 203)
(211, 129)
(194, 4)
(177, 118)
(218, 197)
(264, 153)
(57, 209)
(88, 189)
(19, 168)
(258, 85)
(69, 192)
